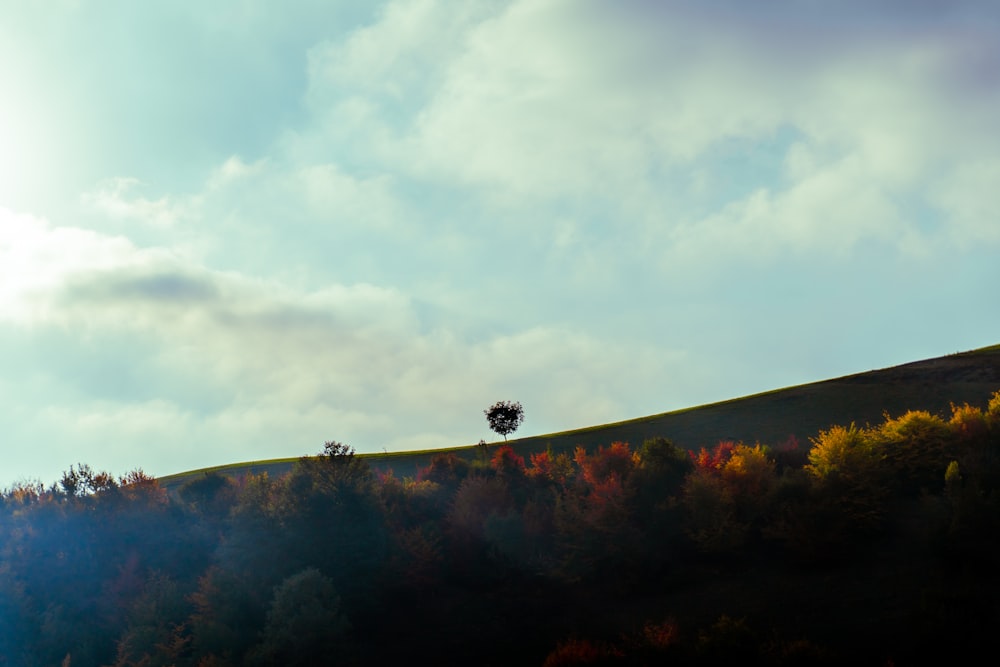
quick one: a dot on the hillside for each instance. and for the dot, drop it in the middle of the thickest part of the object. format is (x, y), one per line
(770, 417)
(880, 550)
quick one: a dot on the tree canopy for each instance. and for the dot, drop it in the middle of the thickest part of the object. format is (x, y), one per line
(504, 417)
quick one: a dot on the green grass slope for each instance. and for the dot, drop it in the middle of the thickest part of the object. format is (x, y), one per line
(770, 418)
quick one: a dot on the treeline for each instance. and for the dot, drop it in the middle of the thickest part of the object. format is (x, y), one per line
(872, 545)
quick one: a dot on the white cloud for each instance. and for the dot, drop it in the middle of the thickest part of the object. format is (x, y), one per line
(363, 90)
(36, 258)
(536, 200)
(256, 368)
(307, 195)
(341, 198)
(554, 100)
(114, 198)
(233, 171)
(827, 211)
(517, 109)
(393, 56)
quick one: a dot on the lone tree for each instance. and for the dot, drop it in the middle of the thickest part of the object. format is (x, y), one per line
(504, 417)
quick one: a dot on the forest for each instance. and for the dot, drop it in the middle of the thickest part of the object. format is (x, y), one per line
(870, 544)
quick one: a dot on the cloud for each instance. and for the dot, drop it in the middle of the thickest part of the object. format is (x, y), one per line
(423, 209)
(145, 355)
(36, 258)
(616, 108)
(362, 203)
(393, 56)
(234, 171)
(829, 211)
(113, 198)
(438, 136)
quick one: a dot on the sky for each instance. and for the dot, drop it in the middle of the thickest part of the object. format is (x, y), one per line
(234, 231)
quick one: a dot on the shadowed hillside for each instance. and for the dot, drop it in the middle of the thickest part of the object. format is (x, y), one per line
(770, 418)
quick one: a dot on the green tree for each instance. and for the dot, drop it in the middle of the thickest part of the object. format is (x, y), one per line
(332, 518)
(305, 625)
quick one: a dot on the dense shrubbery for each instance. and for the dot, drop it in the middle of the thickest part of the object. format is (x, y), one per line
(881, 533)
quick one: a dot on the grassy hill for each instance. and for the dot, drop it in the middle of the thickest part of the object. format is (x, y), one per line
(770, 417)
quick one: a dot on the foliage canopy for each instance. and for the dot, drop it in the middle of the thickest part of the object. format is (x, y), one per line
(504, 417)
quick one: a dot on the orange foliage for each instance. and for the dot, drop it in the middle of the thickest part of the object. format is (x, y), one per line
(137, 485)
(25, 493)
(716, 459)
(553, 468)
(606, 494)
(616, 461)
(993, 408)
(749, 473)
(969, 423)
(506, 462)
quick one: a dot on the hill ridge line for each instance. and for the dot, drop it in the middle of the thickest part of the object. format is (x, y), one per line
(771, 416)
